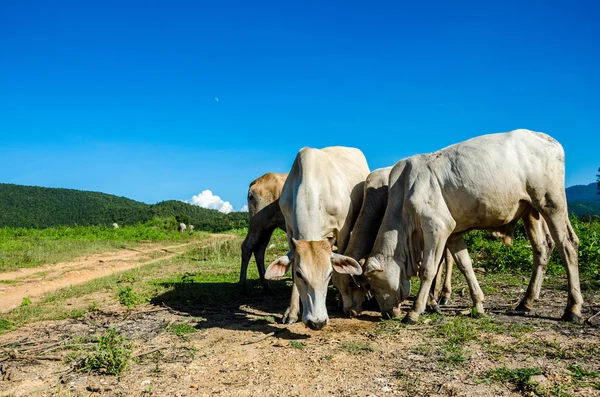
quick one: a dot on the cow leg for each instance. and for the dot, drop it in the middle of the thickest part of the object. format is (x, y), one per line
(247, 248)
(458, 247)
(259, 255)
(434, 246)
(447, 290)
(541, 246)
(567, 244)
(293, 311)
(442, 296)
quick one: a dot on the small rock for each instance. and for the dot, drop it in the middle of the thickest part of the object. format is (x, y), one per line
(539, 379)
(145, 382)
(194, 386)
(385, 389)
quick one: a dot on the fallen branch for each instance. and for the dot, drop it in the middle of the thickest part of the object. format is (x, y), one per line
(262, 337)
(589, 320)
(28, 357)
(149, 352)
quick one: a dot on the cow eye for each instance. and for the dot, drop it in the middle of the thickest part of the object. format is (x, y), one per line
(250, 196)
(298, 275)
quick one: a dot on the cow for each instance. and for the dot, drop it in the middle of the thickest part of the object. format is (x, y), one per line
(375, 193)
(320, 201)
(362, 240)
(182, 228)
(264, 216)
(115, 225)
(191, 228)
(487, 182)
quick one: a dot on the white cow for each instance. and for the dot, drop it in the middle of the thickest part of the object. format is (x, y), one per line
(264, 216)
(488, 182)
(320, 198)
(182, 228)
(363, 237)
(115, 225)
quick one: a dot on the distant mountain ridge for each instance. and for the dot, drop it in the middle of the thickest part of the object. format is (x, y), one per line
(40, 207)
(583, 193)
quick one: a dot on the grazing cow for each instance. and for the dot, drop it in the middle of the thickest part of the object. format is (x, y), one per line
(115, 225)
(182, 228)
(320, 198)
(363, 235)
(488, 182)
(191, 228)
(264, 216)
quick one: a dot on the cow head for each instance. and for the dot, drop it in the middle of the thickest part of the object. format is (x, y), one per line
(388, 284)
(314, 263)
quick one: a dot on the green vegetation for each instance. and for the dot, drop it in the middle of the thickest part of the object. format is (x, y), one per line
(182, 329)
(356, 348)
(297, 345)
(518, 377)
(494, 256)
(127, 297)
(40, 207)
(21, 248)
(110, 357)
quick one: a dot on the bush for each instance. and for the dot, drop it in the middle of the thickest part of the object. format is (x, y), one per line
(111, 356)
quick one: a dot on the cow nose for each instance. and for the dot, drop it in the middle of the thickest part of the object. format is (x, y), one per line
(316, 325)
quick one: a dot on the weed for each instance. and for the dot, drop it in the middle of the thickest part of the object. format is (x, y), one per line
(356, 347)
(297, 345)
(111, 355)
(519, 377)
(26, 302)
(127, 297)
(581, 373)
(5, 325)
(182, 329)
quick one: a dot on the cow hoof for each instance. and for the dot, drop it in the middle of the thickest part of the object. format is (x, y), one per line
(444, 301)
(436, 309)
(408, 320)
(571, 317)
(288, 318)
(522, 309)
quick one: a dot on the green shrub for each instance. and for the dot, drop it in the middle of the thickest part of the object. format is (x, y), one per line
(110, 357)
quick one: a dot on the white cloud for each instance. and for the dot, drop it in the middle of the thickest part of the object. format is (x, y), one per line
(244, 208)
(207, 199)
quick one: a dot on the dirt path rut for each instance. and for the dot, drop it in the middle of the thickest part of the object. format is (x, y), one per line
(38, 281)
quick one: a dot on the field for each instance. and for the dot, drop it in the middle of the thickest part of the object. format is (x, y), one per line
(175, 323)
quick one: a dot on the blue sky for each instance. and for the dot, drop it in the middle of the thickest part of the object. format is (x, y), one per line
(121, 96)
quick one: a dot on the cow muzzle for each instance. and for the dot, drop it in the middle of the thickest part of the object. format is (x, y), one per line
(316, 325)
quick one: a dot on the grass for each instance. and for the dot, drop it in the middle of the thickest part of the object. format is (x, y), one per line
(182, 329)
(356, 348)
(111, 356)
(29, 248)
(519, 377)
(297, 344)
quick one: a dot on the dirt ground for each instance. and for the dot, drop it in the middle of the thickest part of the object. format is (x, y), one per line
(35, 282)
(239, 348)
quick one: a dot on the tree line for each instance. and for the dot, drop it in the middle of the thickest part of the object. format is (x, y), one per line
(40, 207)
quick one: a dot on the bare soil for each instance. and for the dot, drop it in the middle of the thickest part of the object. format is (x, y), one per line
(240, 349)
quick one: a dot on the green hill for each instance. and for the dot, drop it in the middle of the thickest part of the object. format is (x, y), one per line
(581, 208)
(41, 207)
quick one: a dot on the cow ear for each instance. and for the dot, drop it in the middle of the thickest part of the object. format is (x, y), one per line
(372, 265)
(345, 265)
(278, 268)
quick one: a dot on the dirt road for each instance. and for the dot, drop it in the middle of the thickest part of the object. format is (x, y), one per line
(33, 283)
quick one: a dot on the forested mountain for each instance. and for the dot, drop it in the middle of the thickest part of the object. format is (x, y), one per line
(583, 193)
(40, 207)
